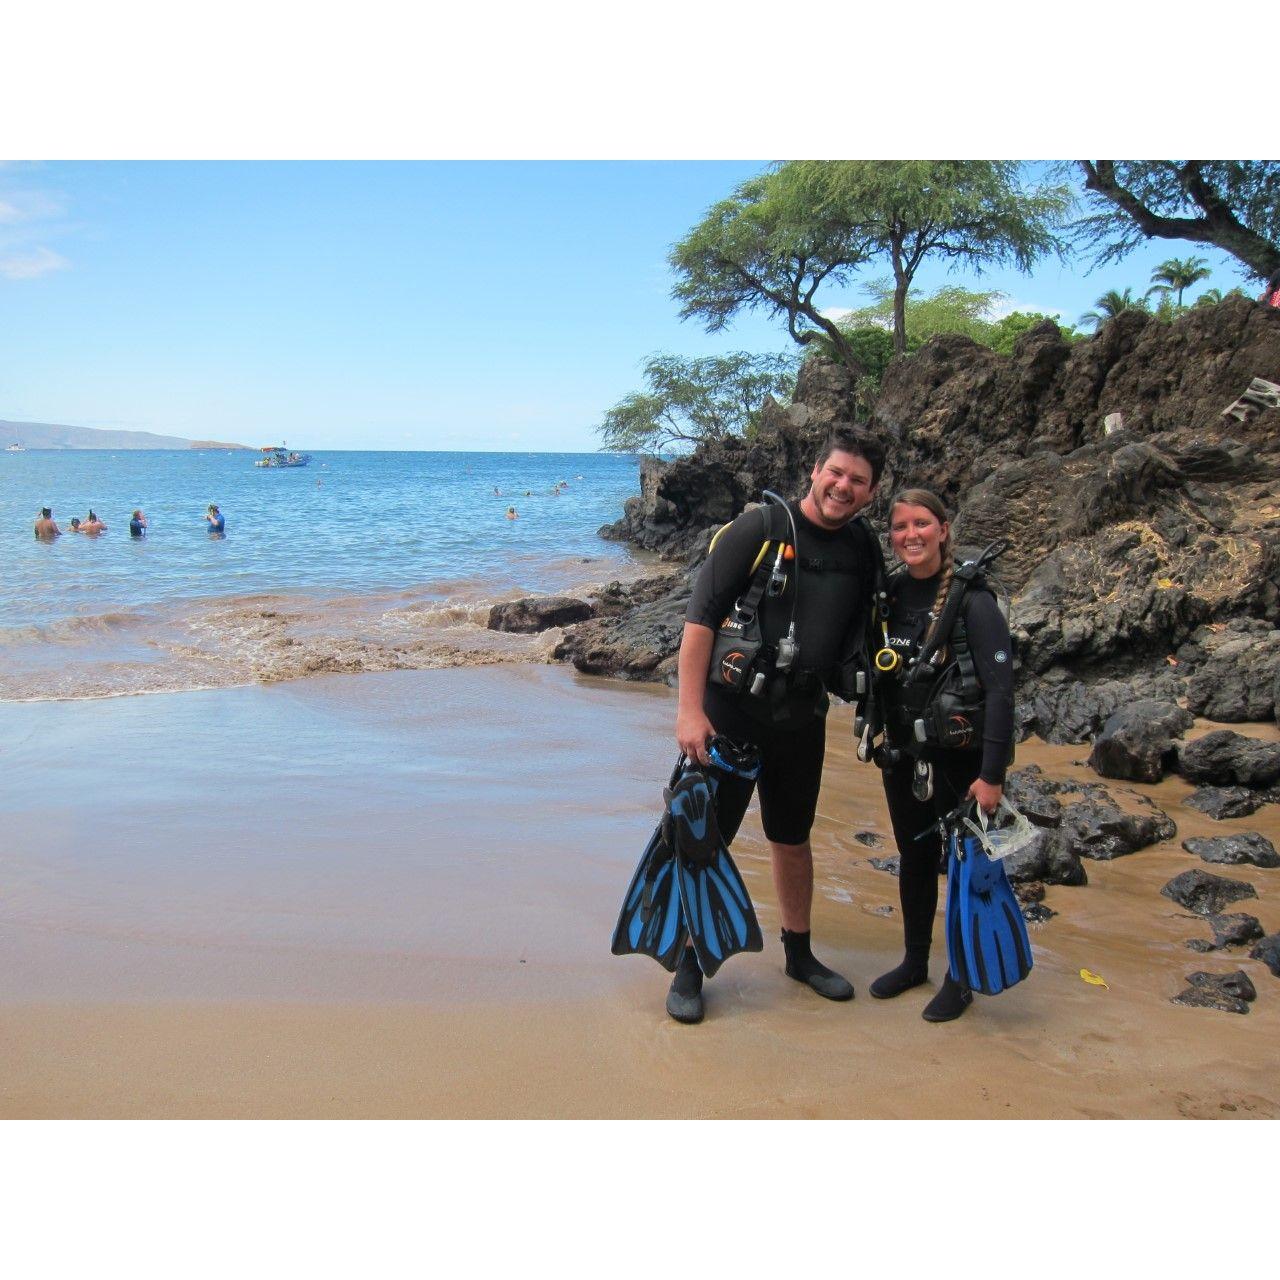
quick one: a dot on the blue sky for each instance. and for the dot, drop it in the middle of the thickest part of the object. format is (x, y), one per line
(447, 305)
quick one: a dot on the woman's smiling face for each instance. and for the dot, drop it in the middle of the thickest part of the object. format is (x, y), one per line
(917, 535)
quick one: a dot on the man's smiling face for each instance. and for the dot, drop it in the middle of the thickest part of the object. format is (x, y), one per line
(840, 487)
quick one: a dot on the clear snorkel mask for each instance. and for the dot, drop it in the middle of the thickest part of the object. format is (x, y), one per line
(1001, 833)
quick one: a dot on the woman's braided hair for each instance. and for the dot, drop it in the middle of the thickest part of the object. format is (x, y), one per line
(933, 504)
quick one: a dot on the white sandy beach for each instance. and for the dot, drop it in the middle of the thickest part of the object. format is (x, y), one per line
(390, 895)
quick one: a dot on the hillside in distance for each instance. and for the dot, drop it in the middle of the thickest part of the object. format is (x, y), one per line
(49, 435)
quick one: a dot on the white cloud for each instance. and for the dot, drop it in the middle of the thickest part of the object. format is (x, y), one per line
(27, 266)
(28, 206)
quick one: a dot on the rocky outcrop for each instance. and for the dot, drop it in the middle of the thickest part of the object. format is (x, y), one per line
(1098, 828)
(538, 613)
(1245, 848)
(1230, 992)
(1144, 525)
(1221, 803)
(1206, 894)
(1268, 951)
(637, 636)
(1232, 930)
(1224, 757)
(1137, 740)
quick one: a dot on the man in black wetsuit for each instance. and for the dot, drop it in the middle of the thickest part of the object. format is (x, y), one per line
(833, 575)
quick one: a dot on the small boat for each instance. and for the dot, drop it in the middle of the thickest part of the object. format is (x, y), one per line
(278, 455)
(15, 448)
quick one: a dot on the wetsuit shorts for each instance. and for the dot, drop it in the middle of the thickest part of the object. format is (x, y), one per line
(790, 772)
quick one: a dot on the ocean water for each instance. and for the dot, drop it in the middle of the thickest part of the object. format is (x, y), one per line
(360, 561)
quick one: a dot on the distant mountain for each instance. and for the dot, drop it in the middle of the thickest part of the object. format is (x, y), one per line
(48, 435)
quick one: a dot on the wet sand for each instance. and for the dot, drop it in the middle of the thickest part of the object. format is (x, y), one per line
(390, 895)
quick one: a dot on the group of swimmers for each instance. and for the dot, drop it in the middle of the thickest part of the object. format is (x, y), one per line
(46, 527)
(555, 491)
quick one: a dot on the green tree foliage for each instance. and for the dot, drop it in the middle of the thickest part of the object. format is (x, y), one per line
(951, 309)
(974, 213)
(749, 253)
(948, 310)
(688, 401)
(1177, 275)
(1231, 204)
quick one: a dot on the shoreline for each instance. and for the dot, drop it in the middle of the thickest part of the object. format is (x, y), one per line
(392, 895)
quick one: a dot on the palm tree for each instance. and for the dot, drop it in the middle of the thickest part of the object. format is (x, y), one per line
(1178, 274)
(1110, 305)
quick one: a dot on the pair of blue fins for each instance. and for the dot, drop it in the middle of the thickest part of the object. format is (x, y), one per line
(686, 889)
(987, 945)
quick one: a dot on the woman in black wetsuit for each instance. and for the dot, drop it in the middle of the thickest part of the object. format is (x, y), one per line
(925, 780)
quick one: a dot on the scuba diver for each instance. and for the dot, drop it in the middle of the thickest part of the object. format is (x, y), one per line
(942, 694)
(783, 588)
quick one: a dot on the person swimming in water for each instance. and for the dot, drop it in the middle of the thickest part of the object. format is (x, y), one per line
(91, 524)
(137, 525)
(512, 514)
(46, 527)
(217, 521)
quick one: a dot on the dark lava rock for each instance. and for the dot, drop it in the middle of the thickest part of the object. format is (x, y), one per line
(1137, 740)
(1206, 894)
(1224, 756)
(1268, 951)
(1224, 802)
(1063, 708)
(1033, 795)
(1048, 858)
(869, 838)
(886, 864)
(1245, 847)
(538, 613)
(639, 644)
(1037, 913)
(1098, 828)
(1230, 992)
(1238, 673)
(1229, 931)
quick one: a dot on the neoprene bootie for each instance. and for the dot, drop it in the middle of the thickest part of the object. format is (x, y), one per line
(802, 966)
(684, 1000)
(950, 1002)
(913, 971)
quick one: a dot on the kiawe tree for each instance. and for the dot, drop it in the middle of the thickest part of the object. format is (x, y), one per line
(751, 252)
(973, 213)
(689, 401)
(1233, 205)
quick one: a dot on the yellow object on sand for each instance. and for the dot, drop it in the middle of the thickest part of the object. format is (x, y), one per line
(1093, 979)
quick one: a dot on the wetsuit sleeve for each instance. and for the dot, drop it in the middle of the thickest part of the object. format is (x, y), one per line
(992, 652)
(726, 571)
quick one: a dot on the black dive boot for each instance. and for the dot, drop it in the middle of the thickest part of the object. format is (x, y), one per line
(804, 968)
(913, 971)
(684, 1000)
(950, 1002)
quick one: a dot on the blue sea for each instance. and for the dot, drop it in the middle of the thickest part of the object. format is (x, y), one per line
(359, 561)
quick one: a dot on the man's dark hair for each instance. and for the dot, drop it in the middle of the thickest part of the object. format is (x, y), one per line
(862, 444)
(46, 513)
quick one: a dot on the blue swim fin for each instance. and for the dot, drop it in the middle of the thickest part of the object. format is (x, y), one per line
(698, 897)
(651, 922)
(987, 944)
(717, 907)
